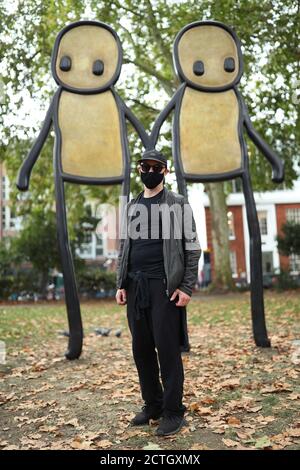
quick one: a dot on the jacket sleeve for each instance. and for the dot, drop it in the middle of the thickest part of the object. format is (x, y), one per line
(192, 249)
(123, 235)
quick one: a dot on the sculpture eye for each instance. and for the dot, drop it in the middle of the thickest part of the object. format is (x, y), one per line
(98, 67)
(198, 68)
(229, 64)
(65, 63)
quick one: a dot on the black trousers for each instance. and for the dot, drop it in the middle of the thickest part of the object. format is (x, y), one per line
(157, 333)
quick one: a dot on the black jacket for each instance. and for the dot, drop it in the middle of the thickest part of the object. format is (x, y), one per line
(181, 256)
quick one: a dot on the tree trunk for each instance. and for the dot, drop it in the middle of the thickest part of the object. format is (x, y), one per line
(44, 284)
(222, 279)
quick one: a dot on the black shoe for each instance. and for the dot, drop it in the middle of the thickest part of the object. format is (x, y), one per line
(170, 425)
(145, 415)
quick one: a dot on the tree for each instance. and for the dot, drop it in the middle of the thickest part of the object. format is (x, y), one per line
(269, 31)
(37, 242)
(289, 242)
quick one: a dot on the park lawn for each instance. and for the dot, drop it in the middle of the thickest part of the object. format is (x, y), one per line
(238, 396)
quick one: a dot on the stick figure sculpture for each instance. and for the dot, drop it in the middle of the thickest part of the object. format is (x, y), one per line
(209, 118)
(91, 145)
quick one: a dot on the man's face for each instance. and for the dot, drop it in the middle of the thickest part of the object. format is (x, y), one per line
(152, 165)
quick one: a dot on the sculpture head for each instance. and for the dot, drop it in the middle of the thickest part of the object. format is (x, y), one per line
(87, 57)
(207, 56)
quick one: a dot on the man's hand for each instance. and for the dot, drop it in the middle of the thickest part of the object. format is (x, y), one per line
(121, 297)
(183, 298)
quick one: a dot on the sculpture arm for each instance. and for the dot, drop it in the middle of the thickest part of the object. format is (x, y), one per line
(161, 119)
(276, 162)
(26, 168)
(137, 125)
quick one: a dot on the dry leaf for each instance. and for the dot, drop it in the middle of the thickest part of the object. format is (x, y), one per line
(104, 444)
(233, 421)
(230, 443)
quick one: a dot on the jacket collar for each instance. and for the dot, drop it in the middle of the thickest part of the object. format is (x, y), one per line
(163, 197)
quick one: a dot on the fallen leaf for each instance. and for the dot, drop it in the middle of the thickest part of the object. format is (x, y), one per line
(263, 443)
(233, 421)
(151, 446)
(230, 443)
(104, 444)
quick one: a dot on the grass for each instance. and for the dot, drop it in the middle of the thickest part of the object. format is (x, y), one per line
(238, 396)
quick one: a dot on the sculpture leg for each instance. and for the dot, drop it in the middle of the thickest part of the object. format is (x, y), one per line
(71, 294)
(257, 293)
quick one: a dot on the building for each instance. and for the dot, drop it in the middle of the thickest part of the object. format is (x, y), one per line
(8, 222)
(274, 208)
(99, 248)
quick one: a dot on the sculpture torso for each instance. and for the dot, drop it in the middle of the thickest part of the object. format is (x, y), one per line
(90, 134)
(209, 132)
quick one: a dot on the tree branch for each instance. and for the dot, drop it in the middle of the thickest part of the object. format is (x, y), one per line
(167, 85)
(133, 12)
(157, 35)
(144, 105)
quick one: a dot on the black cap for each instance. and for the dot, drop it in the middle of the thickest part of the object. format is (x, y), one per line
(153, 155)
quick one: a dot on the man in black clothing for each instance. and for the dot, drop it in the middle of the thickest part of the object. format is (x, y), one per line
(156, 319)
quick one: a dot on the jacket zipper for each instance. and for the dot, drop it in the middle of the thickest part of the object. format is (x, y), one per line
(166, 280)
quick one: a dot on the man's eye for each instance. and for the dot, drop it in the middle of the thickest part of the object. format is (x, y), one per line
(198, 68)
(98, 67)
(229, 64)
(65, 63)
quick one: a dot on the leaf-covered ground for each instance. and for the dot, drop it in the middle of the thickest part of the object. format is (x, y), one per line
(238, 396)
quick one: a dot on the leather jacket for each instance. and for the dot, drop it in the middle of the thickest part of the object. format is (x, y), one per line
(181, 256)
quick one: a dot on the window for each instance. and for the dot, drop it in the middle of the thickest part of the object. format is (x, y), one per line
(263, 223)
(4, 188)
(294, 262)
(267, 262)
(12, 219)
(293, 215)
(236, 185)
(99, 244)
(3, 215)
(86, 247)
(230, 218)
(233, 263)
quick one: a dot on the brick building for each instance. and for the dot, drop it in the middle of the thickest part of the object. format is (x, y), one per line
(274, 208)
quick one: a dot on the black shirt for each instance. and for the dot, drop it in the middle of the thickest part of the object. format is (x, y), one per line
(146, 254)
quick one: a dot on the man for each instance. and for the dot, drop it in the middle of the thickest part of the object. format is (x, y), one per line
(156, 271)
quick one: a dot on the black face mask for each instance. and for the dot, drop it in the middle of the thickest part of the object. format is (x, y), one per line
(151, 179)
